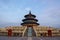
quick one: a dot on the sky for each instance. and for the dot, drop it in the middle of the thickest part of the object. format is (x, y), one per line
(47, 12)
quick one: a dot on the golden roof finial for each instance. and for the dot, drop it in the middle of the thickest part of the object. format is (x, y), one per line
(30, 12)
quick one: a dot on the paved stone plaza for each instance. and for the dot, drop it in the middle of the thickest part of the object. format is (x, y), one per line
(29, 38)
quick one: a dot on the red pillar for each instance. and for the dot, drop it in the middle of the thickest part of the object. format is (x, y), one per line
(49, 33)
(9, 32)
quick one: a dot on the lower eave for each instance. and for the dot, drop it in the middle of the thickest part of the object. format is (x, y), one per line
(30, 23)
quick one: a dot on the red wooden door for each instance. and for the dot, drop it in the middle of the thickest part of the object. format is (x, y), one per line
(49, 33)
(9, 32)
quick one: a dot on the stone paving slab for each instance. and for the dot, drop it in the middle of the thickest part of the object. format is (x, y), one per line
(29, 38)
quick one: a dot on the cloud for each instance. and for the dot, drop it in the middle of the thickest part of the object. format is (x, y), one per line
(50, 16)
(52, 12)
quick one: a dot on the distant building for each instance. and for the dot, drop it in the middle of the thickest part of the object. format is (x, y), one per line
(30, 28)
